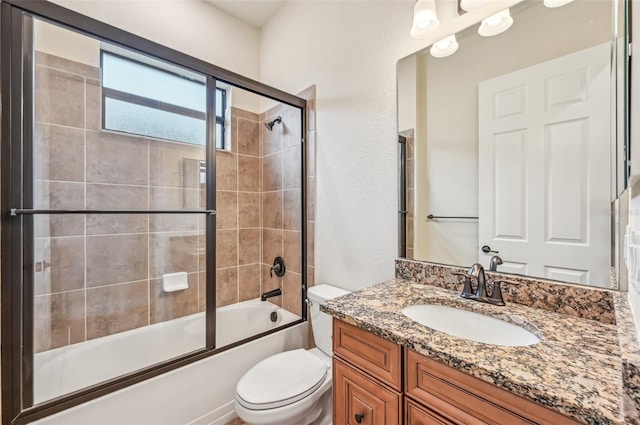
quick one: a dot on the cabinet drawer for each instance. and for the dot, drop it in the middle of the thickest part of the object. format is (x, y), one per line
(418, 415)
(468, 400)
(358, 400)
(375, 356)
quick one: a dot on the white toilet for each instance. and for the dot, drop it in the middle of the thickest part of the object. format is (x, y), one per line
(293, 387)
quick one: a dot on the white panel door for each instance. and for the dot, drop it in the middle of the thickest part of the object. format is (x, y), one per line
(545, 173)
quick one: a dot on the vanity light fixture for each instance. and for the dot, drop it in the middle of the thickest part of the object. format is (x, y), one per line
(425, 19)
(445, 47)
(556, 3)
(496, 24)
(470, 5)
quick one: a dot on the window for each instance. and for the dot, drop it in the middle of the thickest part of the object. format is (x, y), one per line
(163, 103)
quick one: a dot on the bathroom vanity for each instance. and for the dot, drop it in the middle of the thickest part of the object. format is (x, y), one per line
(389, 369)
(369, 388)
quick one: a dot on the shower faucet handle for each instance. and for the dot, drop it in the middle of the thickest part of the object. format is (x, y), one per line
(278, 267)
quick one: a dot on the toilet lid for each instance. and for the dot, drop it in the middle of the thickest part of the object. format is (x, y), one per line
(281, 379)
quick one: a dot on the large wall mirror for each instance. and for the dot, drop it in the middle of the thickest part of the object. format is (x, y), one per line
(515, 145)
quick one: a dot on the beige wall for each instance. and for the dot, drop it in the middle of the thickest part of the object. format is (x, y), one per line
(449, 157)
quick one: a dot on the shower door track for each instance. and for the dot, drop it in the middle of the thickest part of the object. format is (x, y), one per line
(26, 211)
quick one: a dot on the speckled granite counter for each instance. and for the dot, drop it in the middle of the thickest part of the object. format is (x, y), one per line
(576, 369)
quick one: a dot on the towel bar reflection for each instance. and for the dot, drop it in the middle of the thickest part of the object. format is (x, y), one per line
(435, 217)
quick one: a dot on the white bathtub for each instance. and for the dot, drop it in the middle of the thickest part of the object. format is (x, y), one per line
(200, 393)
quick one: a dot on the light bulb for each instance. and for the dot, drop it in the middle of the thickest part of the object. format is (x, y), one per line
(496, 24)
(494, 20)
(425, 19)
(443, 44)
(445, 47)
(423, 23)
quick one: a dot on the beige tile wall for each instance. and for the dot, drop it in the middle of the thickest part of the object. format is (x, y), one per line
(281, 200)
(238, 274)
(101, 274)
(98, 275)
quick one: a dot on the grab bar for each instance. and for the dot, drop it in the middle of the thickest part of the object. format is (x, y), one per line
(435, 217)
(23, 211)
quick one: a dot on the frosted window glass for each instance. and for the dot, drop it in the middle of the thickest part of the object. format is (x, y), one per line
(219, 105)
(142, 80)
(151, 122)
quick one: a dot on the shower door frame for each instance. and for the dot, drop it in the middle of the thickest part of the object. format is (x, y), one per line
(17, 216)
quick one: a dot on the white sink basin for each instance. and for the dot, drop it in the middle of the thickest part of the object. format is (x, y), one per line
(469, 325)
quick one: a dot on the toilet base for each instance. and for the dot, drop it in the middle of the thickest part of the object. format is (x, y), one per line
(319, 413)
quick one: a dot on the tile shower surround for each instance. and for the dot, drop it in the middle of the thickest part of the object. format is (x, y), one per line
(102, 274)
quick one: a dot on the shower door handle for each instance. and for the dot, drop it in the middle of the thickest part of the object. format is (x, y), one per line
(41, 266)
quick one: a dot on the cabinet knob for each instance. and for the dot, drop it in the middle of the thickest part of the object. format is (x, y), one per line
(359, 417)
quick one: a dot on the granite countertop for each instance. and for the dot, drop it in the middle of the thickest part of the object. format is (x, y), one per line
(575, 369)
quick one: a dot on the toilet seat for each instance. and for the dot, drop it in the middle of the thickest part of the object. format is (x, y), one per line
(280, 380)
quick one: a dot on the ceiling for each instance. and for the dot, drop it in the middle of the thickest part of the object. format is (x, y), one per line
(253, 12)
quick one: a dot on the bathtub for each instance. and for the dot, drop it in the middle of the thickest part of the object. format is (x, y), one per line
(199, 393)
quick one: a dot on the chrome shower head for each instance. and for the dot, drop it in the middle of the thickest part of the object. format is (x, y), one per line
(269, 125)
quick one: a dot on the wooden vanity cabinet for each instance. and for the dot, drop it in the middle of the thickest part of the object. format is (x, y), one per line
(367, 378)
(377, 382)
(363, 400)
(463, 399)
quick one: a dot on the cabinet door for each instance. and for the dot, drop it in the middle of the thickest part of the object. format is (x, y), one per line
(376, 356)
(418, 415)
(359, 400)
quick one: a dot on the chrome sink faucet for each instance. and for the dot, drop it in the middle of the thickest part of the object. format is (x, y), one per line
(494, 262)
(480, 293)
(477, 271)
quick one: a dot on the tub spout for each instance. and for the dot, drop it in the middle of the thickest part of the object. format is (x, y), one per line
(274, 293)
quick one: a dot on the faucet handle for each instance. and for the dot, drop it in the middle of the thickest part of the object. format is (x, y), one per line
(496, 292)
(467, 291)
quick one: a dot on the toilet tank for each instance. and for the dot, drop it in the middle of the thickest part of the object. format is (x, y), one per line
(321, 323)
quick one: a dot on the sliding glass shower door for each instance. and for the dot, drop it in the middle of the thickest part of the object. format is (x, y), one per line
(118, 210)
(143, 193)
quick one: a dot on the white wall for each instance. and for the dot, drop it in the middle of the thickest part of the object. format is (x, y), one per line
(192, 27)
(349, 51)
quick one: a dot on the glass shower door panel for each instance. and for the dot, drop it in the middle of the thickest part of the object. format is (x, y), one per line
(106, 305)
(259, 205)
(123, 287)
